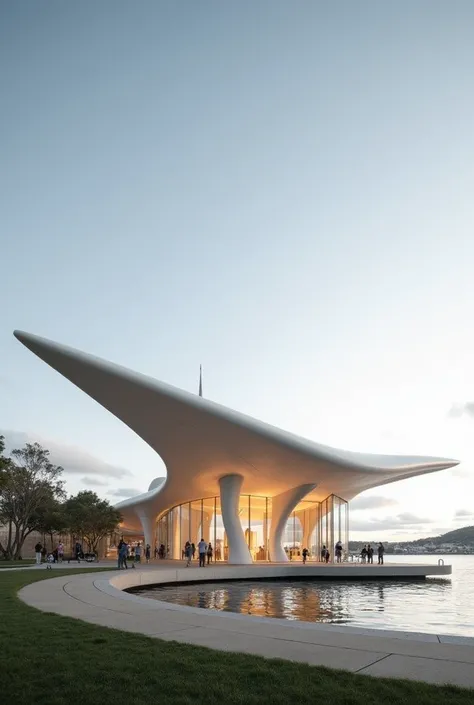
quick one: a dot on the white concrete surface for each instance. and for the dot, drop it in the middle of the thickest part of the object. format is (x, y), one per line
(200, 442)
(98, 598)
(230, 486)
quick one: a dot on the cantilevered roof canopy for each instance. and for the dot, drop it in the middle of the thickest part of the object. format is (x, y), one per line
(201, 441)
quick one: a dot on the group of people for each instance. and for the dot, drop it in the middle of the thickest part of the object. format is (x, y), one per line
(161, 552)
(367, 553)
(325, 554)
(205, 551)
(55, 556)
(134, 553)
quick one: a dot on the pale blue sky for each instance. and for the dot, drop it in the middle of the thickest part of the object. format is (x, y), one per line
(279, 191)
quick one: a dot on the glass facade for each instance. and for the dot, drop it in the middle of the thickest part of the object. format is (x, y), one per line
(316, 526)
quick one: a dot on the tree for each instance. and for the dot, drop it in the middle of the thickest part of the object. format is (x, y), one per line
(91, 518)
(4, 463)
(30, 484)
(51, 519)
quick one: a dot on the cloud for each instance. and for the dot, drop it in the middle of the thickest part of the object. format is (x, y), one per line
(125, 492)
(74, 460)
(458, 410)
(374, 502)
(463, 513)
(404, 520)
(409, 518)
(93, 482)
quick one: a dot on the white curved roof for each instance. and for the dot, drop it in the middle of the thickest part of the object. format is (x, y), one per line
(201, 441)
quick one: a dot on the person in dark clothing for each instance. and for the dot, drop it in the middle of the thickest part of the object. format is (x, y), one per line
(380, 551)
(78, 551)
(38, 552)
(305, 555)
(209, 553)
(370, 554)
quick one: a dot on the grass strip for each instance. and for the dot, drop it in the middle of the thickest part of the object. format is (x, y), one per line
(27, 563)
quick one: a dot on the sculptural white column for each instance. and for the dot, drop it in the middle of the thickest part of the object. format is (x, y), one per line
(282, 506)
(148, 526)
(230, 486)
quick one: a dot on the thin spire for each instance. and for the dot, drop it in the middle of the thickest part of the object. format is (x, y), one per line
(200, 380)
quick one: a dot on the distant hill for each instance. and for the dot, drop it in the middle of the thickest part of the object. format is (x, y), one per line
(459, 537)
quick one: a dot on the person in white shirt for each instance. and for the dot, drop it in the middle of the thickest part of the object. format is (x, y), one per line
(202, 547)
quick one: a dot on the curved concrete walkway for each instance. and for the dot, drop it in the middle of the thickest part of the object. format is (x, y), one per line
(98, 598)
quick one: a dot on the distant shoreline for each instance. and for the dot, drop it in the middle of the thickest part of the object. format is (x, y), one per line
(430, 553)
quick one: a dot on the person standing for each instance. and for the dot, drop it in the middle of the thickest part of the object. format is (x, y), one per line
(323, 554)
(339, 552)
(78, 551)
(123, 555)
(60, 552)
(209, 553)
(147, 553)
(363, 554)
(38, 551)
(188, 552)
(119, 556)
(194, 550)
(370, 554)
(138, 553)
(305, 555)
(202, 548)
(380, 551)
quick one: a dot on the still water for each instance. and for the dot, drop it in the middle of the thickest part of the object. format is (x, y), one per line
(437, 605)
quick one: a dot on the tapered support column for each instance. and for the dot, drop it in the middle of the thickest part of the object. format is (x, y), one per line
(148, 526)
(230, 486)
(282, 506)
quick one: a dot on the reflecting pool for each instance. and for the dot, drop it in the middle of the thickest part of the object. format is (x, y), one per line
(442, 606)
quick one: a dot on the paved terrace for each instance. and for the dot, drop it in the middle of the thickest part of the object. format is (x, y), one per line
(98, 598)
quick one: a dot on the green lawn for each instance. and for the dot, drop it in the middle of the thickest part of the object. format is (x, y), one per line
(52, 660)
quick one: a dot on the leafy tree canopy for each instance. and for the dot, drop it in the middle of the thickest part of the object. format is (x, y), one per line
(90, 517)
(30, 485)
